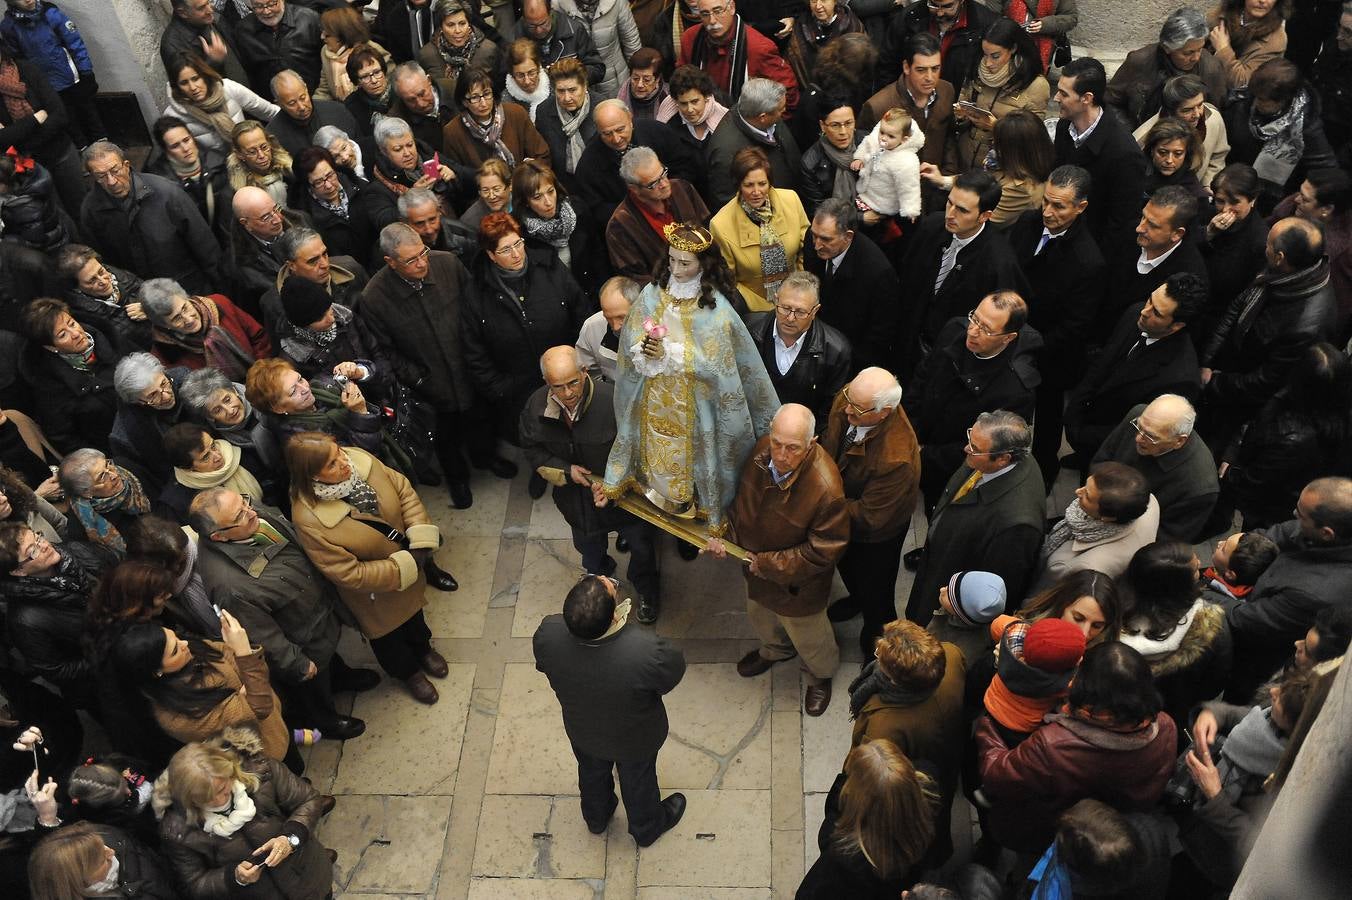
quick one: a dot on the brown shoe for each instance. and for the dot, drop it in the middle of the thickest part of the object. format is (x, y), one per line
(422, 689)
(817, 698)
(332, 855)
(326, 804)
(434, 664)
(754, 664)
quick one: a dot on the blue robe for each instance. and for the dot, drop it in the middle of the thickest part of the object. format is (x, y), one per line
(714, 399)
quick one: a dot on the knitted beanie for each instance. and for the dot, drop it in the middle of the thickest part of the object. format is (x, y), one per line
(304, 301)
(1053, 645)
(974, 598)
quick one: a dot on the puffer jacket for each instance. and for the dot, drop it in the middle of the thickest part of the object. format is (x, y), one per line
(30, 213)
(203, 863)
(616, 37)
(142, 874)
(49, 38)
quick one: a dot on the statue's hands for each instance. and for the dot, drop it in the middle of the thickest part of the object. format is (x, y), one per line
(653, 347)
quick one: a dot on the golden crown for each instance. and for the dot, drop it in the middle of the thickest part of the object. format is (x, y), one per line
(688, 237)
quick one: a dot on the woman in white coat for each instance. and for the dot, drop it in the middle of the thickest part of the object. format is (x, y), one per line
(211, 106)
(615, 35)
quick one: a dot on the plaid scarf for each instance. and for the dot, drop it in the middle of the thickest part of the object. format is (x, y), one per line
(15, 92)
(457, 59)
(355, 491)
(92, 511)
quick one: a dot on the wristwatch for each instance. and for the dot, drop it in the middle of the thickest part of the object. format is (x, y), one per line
(295, 841)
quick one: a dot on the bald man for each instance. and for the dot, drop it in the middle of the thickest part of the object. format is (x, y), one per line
(255, 258)
(872, 441)
(302, 115)
(599, 185)
(791, 513)
(566, 428)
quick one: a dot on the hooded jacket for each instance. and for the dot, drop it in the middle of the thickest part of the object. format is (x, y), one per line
(49, 38)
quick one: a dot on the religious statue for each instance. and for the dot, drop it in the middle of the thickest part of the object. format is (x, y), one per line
(691, 393)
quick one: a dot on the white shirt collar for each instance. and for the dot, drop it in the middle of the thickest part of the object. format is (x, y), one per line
(1146, 266)
(1079, 137)
(958, 243)
(768, 134)
(787, 354)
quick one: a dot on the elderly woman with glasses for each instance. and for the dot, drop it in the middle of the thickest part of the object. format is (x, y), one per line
(402, 164)
(369, 70)
(102, 496)
(259, 160)
(148, 405)
(486, 127)
(327, 198)
(202, 332)
(343, 31)
(347, 153)
(211, 399)
(209, 105)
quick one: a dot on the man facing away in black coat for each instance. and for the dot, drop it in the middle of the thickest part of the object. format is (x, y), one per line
(609, 679)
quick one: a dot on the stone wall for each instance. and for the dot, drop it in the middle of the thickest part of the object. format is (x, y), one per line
(124, 43)
(1111, 27)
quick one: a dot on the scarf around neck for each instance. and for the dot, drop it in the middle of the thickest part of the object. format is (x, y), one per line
(239, 434)
(1283, 140)
(845, 184)
(490, 134)
(236, 814)
(302, 343)
(998, 78)
(231, 474)
(14, 91)
(213, 111)
(700, 54)
(532, 100)
(357, 492)
(774, 258)
(1254, 746)
(556, 231)
(457, 59)
(217, 346)
(572, 130)
(92, 512)
(872, 681)
(83, 360)
(1079, 526)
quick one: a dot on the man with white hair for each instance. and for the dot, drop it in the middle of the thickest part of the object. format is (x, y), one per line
(598, 340)
(599, 185)
(653, 198)
(754, 122)
(871, 439)
(790, 512)
(302, 115)
(1157, 440)
(734, 53)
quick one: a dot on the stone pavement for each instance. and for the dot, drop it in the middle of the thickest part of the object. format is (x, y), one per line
(476, 797)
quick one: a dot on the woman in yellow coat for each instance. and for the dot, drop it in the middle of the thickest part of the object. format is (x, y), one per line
(364, 527)
(760, 231)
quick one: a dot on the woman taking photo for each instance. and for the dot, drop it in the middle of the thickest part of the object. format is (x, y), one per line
(826, 165)
(365, 529)
(458, 45)
(211, 399)
(487, 128)
(343, 30)
(1009, 77)
(1247, 33)
(1184, 98)
(211, 106)
(553, 222)
(202, 332)
(760, 230)
(327, 200)
(527, 81)
(237, 822)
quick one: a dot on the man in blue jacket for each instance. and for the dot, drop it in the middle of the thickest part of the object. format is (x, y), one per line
(41, 32)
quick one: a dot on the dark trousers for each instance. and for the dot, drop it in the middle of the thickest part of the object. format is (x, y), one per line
(83, 122)
(638, 784)
(642, 570)
(460, 432)
(401, 651)
(869, 571)
(310, 703)
(1048, 414)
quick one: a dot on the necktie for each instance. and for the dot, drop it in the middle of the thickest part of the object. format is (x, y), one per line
(846, 444)
(851, 436)
(830, 267)
(1046, 237)
(1140, 342)
(945, 266)
(967, 486)
(266, 535)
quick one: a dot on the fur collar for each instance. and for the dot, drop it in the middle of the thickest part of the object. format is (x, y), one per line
(1200, 638)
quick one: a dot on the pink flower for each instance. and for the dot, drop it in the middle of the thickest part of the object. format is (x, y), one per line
(654, 329)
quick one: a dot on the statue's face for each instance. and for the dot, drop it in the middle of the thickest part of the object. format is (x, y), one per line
(684, 265)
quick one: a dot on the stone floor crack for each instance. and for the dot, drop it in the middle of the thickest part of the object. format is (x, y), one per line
(716, 782)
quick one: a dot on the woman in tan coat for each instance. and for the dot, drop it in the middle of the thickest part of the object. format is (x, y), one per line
(1247, 33)
(1009, 77)
(364, 528)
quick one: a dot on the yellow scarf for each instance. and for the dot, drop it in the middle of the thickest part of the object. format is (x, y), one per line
(231, 475)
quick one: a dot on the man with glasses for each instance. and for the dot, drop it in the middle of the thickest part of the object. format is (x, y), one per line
(255, 256)
(302, 115)
(871, 439)
(599, 183)
(146, 223)
(859, 287)
(561, 36)
(413, 308)
(279, 35)
(984, 360)
(733, 52)
(609, 679)
(1157, 440)
(253, 566)
(957, 24)
(567, 428)
(990, 516)
(652, 199)
(808, 361)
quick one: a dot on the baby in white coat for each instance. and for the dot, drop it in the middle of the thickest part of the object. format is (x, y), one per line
(889, 170)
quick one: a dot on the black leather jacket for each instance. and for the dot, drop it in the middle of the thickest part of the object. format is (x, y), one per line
(818, 174)
(817, 375)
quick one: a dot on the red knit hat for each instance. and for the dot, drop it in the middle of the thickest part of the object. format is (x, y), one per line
(1053, 645)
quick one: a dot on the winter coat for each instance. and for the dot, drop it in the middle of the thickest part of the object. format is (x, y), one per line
(860, 299)
(362, 429)
(519, 136)
(142, 873)
(179, 36)
(1198, 669)
(1108, 555)
(599, 185)
(1135, 92)
(138, 434)
(817, 174)
(1239, 67)
(634, 246)
(1245, 146)
(798, 530)
(342, 236)
(1126, 285)
(242, 327)
(347, 279)
(278, 595)
(934, 118)
(293, 44)
(880, 473)
(1066, 279)
(615, 35)
(961, 55)
(77, 407)
(1064, 761)
(285, 804)
(889, 182)
(239, 102)
(379, 580)
(111, 318)
(257, 706)
(296, 136)
(1215, 143)
(549, 122)
(31, 214)
(968, 147)
(739, 240)
(820, 370)
(45, 141)
(51, 40)
(1117, 166)
(1234, 258)
(485, 57)
(732, 135)
(393, 29)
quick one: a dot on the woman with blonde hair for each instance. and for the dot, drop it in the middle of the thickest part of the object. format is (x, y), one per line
(879, 826)
(494, 183)
(234, 818)
(342, 29)
(258, 159)
(209, 105)
(87, 860)
(527, 81)
(364, 527)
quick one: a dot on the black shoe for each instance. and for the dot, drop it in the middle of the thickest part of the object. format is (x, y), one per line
(343, 728)
(911, 560)
(843, 610)
(608, 566)
(355, 680)
(500, 466)
(537, 486)
(429, 477)
(621, 543)
(438, 577)
(687, 552)
(461, 498)
(597, 828)
(649, 607)
(675, 807)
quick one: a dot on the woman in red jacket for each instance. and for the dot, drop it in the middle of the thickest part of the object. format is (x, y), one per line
(1111, 742)
(202, 332)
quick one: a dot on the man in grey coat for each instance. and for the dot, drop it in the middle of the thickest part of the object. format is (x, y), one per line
(610, 679)
(253, 566)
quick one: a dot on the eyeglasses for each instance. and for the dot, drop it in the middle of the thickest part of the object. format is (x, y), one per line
(511, 248)
(324, 179)
(34, 551)
(242, 517)
(271, 215)
(259, 6)
(662, 176)
(643, 80)
(852, 407)
(1149, 438)
(479, 97)
(790, 313)
(107, 476)
(257, 152)
(982, 329)
(567, 386)
(371, 77)
(716, 13)
(970, 451)
(162, 391)
(415, 258)
(108, 176)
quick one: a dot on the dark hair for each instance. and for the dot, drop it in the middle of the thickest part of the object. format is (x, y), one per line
(1301, 242)
(163, 125)
(748, 160)
(1277, 79)
(690, 78)
(473, 77)
(1087, 76)
(1331, 187)
(1099, 847)
(920, 43)
(38, 321)
(70, 259)
(1075, 177)
(1180, 202)
(156, 540)
(308, 160)
(1013, 306)
(1318, 395)
(1189, 292)
(1178, 90)
(1026, 63)
(983, 184)
(22, 500)
(187, 59)
(1237, 179)
(1053, 602)
(1252, 555)
(1333, 624)
(182, 442)
(714, 274)
(1124, 494)
(1160, 586)
(589, 608)
(1022, 146)
(360, 56)
(528, 177)
(1114, 681)
(123, 596)
(829, 103)
(645, 58)
(844, 212)
(845, 66)
(10, 532)
(137, 654)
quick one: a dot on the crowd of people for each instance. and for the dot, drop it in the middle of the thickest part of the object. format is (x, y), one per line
(784, 271)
